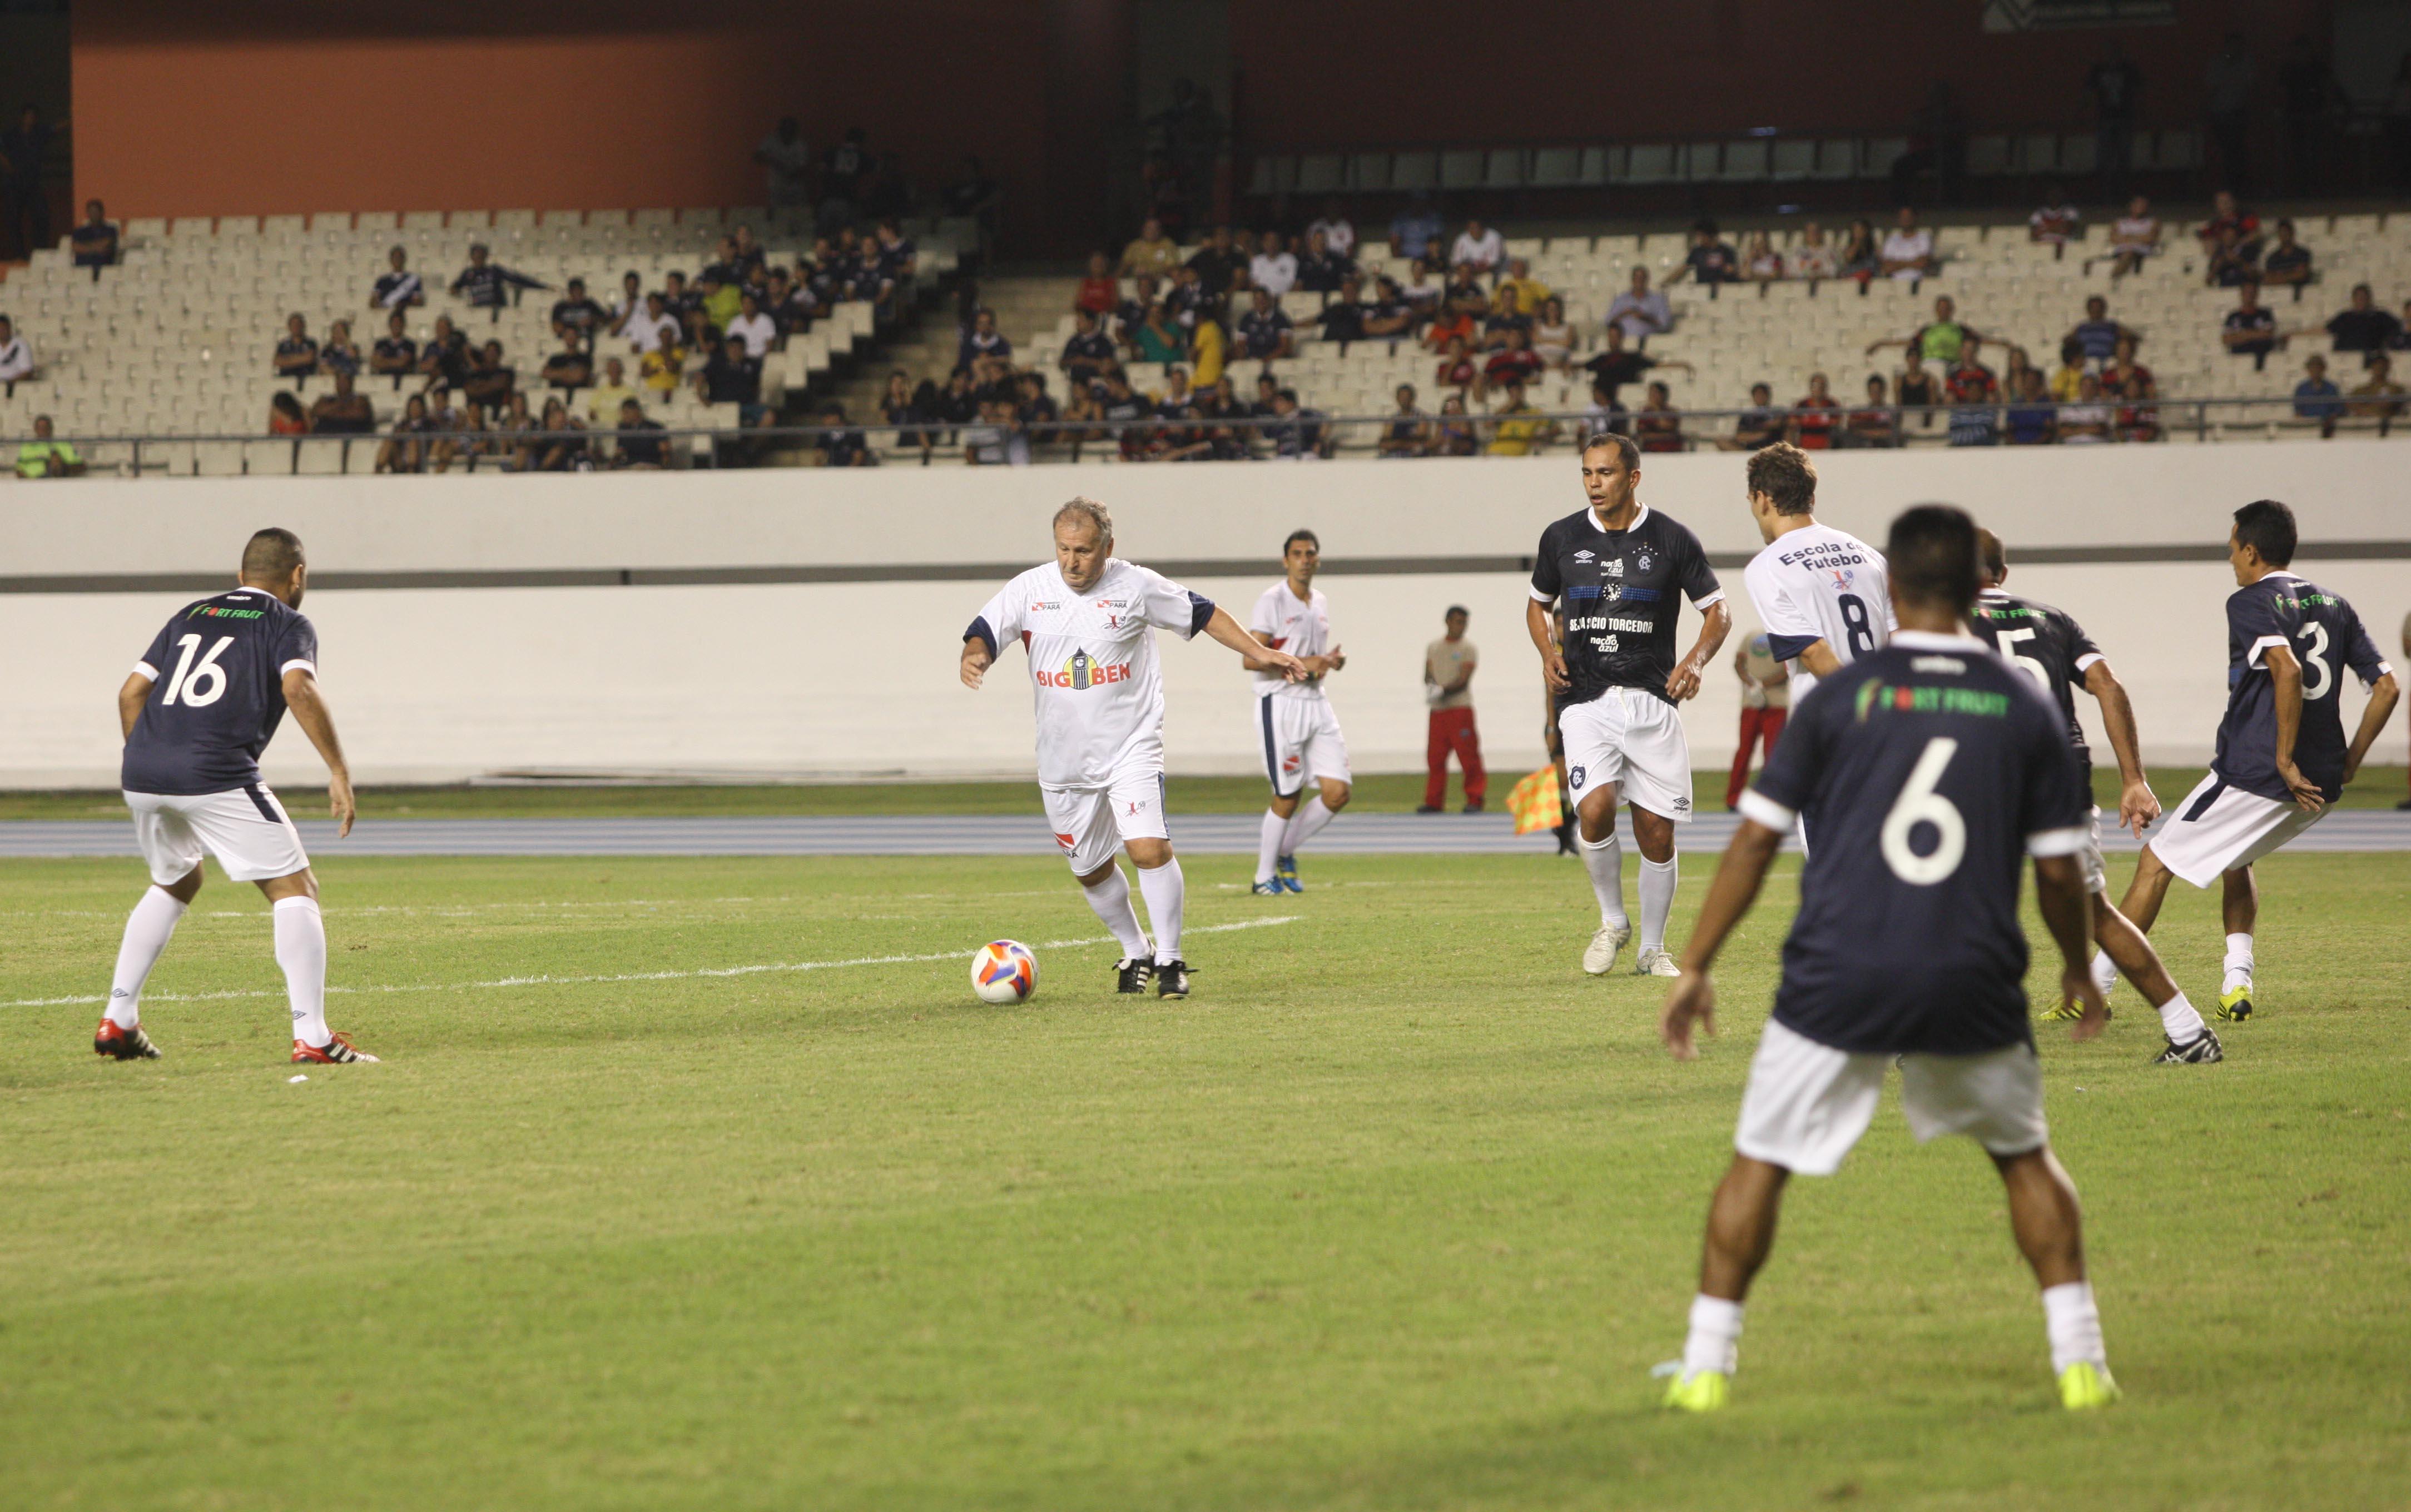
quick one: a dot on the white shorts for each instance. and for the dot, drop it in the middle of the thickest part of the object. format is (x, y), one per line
(1807, 1103)
(1092, 823)
(2219, 829)
(245, 828)
(1302, 743)
(1635, 738)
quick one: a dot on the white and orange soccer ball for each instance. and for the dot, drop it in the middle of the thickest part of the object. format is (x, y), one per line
(1005, 971)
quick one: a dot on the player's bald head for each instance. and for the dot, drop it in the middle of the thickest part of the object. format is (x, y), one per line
(1931, 554)
(271, 556)
(1991, 556)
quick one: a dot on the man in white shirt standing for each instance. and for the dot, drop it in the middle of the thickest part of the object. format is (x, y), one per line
(1908, 250)
(1301, 735)
(1273, 269)
(1480, 246)
(1338, 232)
(1087, 623)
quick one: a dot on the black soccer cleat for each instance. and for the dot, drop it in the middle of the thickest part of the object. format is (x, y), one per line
(1171, 979)
(2199, 1051)
(1565, 834)
(1130, 974)
(123, 1044)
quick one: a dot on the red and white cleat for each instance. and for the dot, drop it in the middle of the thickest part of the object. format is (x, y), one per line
(337, 1050)
(122, 1043)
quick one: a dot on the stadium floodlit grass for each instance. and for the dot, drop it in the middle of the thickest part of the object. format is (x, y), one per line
(1396, 1213)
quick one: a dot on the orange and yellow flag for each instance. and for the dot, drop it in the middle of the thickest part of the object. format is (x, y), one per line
(1535, 803)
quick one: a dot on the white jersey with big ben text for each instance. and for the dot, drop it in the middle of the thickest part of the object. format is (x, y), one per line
(1300, 626)
(1093, 677)
(1819, 584)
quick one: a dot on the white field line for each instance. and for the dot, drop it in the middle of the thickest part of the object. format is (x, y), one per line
(548, 981)
(452, 911)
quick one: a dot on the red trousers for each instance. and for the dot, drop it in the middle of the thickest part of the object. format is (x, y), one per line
(1451, 729)
(1757, 725)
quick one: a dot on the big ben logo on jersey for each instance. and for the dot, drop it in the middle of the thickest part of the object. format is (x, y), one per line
(1084, 672)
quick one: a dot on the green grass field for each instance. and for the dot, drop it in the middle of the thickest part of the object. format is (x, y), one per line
(1396, 1213)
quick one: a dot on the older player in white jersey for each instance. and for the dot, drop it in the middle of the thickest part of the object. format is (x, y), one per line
(1087, 621)
(1820, 593)
(1301, 735)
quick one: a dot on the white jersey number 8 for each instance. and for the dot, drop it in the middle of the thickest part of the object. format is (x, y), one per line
(1918, 803)
(198, 686)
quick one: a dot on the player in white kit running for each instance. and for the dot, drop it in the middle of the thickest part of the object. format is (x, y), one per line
(1087, 621)
(1301, 735)
(1821, 593)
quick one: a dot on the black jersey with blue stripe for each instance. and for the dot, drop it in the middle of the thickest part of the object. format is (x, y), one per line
(217, 692)
(1623, 593)
(2326, 637)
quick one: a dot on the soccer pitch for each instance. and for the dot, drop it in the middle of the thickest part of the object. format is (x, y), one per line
(1398, 1211)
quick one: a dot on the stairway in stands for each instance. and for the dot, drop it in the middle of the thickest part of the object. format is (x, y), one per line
(1028, 306)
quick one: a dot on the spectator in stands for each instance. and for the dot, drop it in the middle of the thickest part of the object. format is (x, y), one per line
(1529, 293)
(2031, 420)
(1761, 262)
(1657, 426)
(514, 418)
(629, 305)
(1265, 333)
(981, 341)
(1343, 319)
(1605, 412)
(2381, 396)
(1812, 415)
(2097, 336)
(1761, 425)
(1973, 390)
(570, 369)
(1099, 293)
(1409, 432)
(2226, 216)
(786, 166)
(16, 358)
(1415, 231)
(753, 327)
(2362, 327)
(899, 407)
(637, 441)
(559, 447)
(1450, 326)
(604, 400)
(1908, 250)
(2133, 237)
(2250, 330)
(1518, 428)
(1338, 231)
(1479, 247)
(721, 298)
(1149, 251)
(340, 355)
(2066, 378)
(1641, 310)
(2401, 339)
(1160, 340)
(1614, 366)
(1387, 314)
(1273, 269)
(397, 286)
(1862, 256)
(2085, 422)
(406, 446)
(731, 377)
(1553, 335)
(1297, 432)
(1938, 341)
(1218, 264)
(1501, 318)
(2055, 222)
(1089, 352)
(1465, 294)
(2231, 261)
(486, 284)
(286, 416)
(839, 443)
(1874, 423)
(1321, 269)
(446, 357)
(1813, 258)
(395, 354)
(491, 382)
(26, 203)
(654, 328)
(2289, 262)
(1916, 390)
(297, 355)
(843, 168)
(1121, 408)
(47, 456)
(342, 413)
(1513, 365)
(1710, 261)
(1424, 288)
(1453, 434)
(1458, 368)
(94, 244)
(2014, 370)
(574, 313)
(2317, 397)
(685, 305)
(2123, 371)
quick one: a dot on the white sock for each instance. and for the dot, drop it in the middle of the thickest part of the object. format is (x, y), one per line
(1604, 861)
(2075, 1325)
(1111, 900)
(1165, 892)
(2105, 972)
(2239, 963)
(1658, 882)
(2181, 1021)
(1268, 844)
(302, 950)
(1311, 816)
(148, 929)
(1714, 1341)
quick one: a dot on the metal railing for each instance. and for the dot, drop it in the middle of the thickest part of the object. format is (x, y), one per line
(1222, 437)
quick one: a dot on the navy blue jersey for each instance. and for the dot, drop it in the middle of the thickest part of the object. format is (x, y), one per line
(2326, 637)
(217, 692)
(1928, 769)
(1623, 593)
(2050, 645)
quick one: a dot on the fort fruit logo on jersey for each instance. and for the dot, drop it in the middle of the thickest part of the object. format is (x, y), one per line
(1083, 672)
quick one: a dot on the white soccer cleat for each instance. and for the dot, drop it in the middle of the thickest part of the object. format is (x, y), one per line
(1599, 959)
(1656, 964)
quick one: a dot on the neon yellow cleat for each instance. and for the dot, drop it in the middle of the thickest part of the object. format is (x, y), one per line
(2236, 1003)
(1698, 1392)
(2084, 1386)
(2068, 1011)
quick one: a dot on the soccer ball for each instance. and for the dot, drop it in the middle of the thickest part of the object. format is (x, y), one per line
(1005, 971)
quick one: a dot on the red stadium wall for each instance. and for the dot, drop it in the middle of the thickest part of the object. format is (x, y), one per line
(252, 107)
(1575, 70)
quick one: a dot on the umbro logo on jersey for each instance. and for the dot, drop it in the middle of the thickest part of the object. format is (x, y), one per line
(1585, 555)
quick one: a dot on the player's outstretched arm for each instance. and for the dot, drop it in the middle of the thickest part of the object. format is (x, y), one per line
(2373, 715)
(1544, 640)
(2068, 913)
(310, 711)
(1715, 623)
(1819, 659)
(2137, 805)
(1258, 656)
(1739, 877)
(131, 699)
(977, 659)
(2286, 683)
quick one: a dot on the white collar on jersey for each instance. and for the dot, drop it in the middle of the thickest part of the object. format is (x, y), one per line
(1592, 513)
(1931, 640)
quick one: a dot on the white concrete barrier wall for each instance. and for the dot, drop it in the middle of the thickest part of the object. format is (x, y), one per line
(840, 678)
